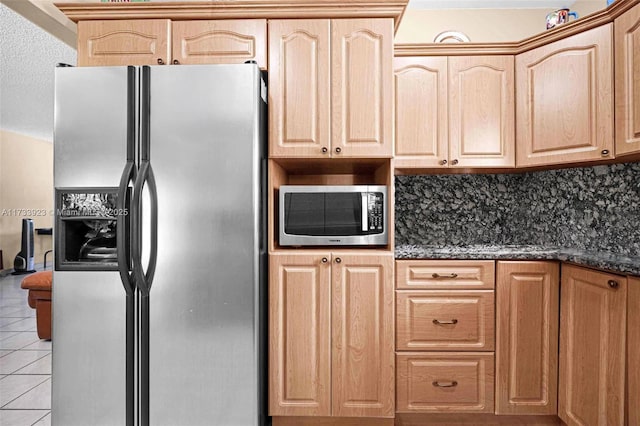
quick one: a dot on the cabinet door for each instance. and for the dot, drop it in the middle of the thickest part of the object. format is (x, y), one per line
(299, 335)
(633, 351)
(299, 88)
(124, 42)
(482, 111)
(362, 87)
(445, 320)
(363, 359)
(421, 115)
(528, 297)
(627, 53)
(220, 42)
(564, 95)
(592, 347)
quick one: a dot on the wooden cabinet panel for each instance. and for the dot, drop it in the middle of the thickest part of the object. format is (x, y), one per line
(361, 87)
(363, 364)
(421, 111)
(299, 88)
(633, 351)
(445, 382)
(445, 274)
(627, 56)
(592, 347)
(528, 297)
(564, 95)
(299, 335)
(220, 42)
(124, 42)
(481, 111)
(445, 320)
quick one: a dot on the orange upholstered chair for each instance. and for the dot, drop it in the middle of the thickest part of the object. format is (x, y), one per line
(39, 286)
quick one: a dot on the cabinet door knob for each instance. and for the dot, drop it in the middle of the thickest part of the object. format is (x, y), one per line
(324, 150)
(338, 150)
(454, 162)
(325, 260)
(613, 283)
(445, 384)
(160, 61)
(176, 62)
(442, 322)
(338, 260)
(605, 152)
(443, 162)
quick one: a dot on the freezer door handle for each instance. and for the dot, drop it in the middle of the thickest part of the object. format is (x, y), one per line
(122, 242)
(144, 278)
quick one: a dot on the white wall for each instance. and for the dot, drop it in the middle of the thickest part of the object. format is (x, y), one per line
(481, 25)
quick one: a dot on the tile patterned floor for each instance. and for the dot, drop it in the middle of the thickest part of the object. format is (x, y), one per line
(25, 360)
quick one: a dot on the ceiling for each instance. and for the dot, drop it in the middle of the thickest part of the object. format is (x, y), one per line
(27, 60)
(490, 4)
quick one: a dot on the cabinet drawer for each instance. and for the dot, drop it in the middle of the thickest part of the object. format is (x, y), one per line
(445, 320)
(445, 274)
(445, 382)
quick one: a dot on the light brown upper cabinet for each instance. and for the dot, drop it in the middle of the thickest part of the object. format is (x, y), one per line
(564, 93)
(627, 53)
(330, 88)
(153, 41)
(124, 42)
(593, 315)
(456, 111)
(220, 42)
(331, 334)
(527, 306)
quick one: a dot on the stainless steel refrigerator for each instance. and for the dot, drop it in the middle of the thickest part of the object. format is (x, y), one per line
(159, 285)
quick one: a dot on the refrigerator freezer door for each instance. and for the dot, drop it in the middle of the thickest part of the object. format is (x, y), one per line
(90, 150)
(204, 299)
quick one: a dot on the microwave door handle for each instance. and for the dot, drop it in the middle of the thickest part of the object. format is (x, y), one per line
(365, 212)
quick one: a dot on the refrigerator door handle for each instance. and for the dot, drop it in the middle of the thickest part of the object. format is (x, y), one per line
(123, 212)
(145, 279)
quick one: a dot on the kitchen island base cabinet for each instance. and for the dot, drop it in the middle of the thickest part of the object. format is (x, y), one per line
(331, 349)
(593, 316)
(527, 306)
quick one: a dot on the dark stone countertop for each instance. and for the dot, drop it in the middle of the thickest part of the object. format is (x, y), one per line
(599, 260)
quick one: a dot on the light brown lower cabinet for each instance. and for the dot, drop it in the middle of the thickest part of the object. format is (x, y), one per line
(445, 382)
(633, 351)
(527, 310)
(593, 318)
(331, 334)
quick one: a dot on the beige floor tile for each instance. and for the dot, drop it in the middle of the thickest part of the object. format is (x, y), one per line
(19, 340)
(11, 387)
(19, 359)
(37, 398)
(41, 366)
(27, 324)
(40, 345)
(21, 417)
(8, 320)
(45, 421)
(6, 334)
(4, 352)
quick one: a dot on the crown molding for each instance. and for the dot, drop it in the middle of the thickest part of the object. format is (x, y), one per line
(237, 9)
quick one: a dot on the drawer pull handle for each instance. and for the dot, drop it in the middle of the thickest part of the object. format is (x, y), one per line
(450, 276)
(613, 283)
(440, 322)
(440, 384)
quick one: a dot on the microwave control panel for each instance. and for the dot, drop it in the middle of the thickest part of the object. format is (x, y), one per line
(375, 207)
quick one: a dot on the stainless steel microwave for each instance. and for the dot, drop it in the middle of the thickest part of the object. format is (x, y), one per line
(333, 215)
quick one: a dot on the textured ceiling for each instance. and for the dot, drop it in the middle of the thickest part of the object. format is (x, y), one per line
(28, 56)
(490, 4)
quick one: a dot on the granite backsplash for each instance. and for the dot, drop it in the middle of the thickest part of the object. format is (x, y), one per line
(589, 208)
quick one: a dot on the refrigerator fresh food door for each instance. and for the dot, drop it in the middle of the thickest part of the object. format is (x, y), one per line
(93, 139)
(205, 328)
